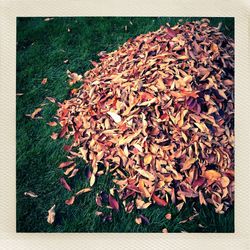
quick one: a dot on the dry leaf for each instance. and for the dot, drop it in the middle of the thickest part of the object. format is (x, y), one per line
(31, 194)
(51, 215)
(54, 136)
(52, 124)
(168, 216)
(82, 191)
(44, 81)
(70, 201)
(65, 184)
(36, 112)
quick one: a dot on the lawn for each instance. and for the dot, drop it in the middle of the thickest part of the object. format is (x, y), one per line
(42, 48)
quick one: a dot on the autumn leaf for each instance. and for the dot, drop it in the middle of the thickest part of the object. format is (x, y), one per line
(113, 203)
(82, 191)
(66, 164)
(36, 112)
(168, 216)
(44, 81)
(65, 184)
(212, 175)
(70, 201)
(51, 215)
(159, 201)
(188, 163)
(52, 124)
(54, 136)
(115, 117)
(31, 194)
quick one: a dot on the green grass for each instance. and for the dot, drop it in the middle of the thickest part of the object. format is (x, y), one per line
(41, 49)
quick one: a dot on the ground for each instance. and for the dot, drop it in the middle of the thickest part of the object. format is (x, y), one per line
(42, 47)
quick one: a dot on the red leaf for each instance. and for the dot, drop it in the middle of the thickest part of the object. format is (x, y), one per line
(65, 184)
(67, 148)
(65, 164)
(159, 201)
(113, 203)
(171, 32)
(63, 131)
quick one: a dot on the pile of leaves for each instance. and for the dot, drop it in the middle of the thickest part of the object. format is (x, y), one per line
(158, 115)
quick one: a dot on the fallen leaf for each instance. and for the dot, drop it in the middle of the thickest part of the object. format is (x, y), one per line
(31, 194)
(70, 201)
(52, 124)
(138, 220)
(168, 216)
(115, 117)
(159, 201)
(51, 215)
(82, 191)
(66, 164)
(113, 203)
(36, 112)
(65, 184)
(54, 136)
(44, 81)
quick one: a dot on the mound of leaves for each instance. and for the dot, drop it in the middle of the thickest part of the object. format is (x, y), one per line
(158, 115)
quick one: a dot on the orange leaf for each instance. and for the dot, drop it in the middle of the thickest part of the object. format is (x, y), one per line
(224, 181)
(159, 201)
(36, 111)
(212, 175)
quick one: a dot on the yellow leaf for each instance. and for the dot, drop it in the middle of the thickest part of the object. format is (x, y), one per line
(224, 181)
(92, 180)
(147, 159)
(212, 175)
(188, 163)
